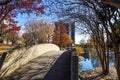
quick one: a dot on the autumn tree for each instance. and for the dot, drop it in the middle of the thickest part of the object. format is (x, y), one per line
(14, 7)
(65, 40)
(60, 37)
(9, 30)
(38, 32)
(79, 49)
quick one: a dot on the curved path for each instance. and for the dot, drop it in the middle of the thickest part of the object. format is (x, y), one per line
(61, 70)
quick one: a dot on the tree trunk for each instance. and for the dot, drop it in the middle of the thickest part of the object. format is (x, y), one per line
(117, 59)
(100, 48)
(107, 60)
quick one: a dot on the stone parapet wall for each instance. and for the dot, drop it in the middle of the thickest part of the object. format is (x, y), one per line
(74, 66)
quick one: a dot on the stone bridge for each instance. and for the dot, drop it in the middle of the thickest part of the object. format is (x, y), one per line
(53, 65)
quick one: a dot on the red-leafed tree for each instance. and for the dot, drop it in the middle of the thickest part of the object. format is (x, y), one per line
(9, 29)
(13, 7)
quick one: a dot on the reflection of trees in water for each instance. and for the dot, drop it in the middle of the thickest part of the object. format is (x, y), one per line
(86, 56)
(79, 67)
(95, 61)
(111, 60)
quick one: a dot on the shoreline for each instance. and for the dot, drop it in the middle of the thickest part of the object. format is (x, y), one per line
(97, 73)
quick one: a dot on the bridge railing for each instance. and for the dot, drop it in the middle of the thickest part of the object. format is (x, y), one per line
(74, 65)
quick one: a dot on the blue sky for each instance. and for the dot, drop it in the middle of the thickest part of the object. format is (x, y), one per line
(22, 19)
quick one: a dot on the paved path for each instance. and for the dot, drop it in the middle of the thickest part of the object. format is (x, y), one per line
(61, 70)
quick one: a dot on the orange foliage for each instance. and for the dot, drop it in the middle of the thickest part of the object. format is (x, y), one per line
(61, 27)
(90, 44)
(61, 38)
(56, 37)
(65, 40)
(79, 49)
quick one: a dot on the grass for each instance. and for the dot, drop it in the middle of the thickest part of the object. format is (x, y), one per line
(4, 48)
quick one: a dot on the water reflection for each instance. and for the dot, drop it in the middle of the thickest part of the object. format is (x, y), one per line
(93, 62)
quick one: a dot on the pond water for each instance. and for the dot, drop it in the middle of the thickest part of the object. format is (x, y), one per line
(90, 62)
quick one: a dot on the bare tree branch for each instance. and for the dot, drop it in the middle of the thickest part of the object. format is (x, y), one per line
(4, 2)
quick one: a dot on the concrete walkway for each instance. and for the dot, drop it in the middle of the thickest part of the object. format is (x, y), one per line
(61, 70)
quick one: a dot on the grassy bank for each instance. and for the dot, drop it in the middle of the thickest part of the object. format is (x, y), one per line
(4, 48)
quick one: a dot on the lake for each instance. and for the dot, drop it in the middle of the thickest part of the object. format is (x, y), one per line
(90, 63)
